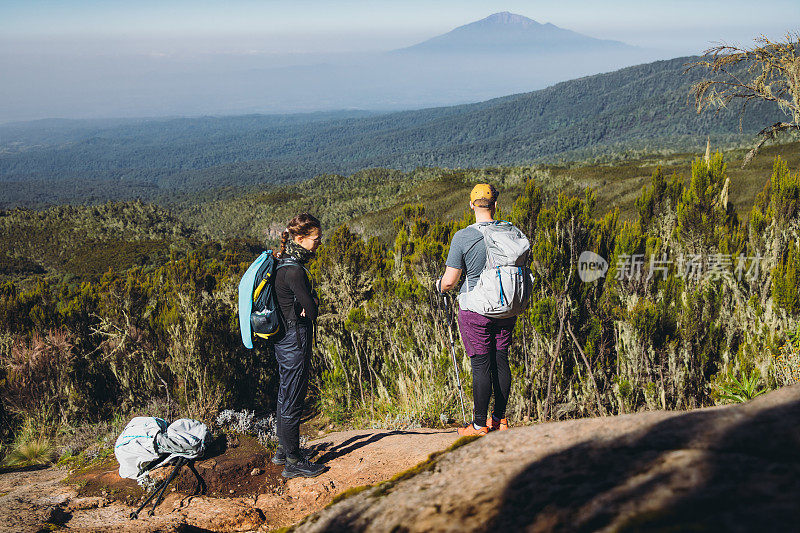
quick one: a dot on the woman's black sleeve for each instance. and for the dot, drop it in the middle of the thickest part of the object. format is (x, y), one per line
(296, 280)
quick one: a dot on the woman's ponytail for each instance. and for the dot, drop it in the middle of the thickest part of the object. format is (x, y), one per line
(284, 239)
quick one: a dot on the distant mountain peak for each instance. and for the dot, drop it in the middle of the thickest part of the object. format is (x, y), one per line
(506, 17)
(510, 33)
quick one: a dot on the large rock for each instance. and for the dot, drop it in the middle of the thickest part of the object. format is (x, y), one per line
(729, 468)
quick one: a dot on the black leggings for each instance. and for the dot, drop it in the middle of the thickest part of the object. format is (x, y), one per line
(490, 371)
(293, 352)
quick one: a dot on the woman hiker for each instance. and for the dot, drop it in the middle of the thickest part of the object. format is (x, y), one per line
(298, 304)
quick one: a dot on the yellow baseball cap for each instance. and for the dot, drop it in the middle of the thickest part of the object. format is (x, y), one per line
(483, 191)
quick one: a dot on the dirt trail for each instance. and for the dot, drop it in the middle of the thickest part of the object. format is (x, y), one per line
(246, 492)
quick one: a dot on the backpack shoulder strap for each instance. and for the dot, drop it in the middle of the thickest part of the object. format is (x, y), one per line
(482, 229)
(290, 261)
(481, 226)
(478, 226)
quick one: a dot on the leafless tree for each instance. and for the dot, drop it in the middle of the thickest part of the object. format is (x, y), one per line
(768, 71)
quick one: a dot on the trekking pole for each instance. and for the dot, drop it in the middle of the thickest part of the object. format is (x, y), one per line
(201, 484)
(448, 310)
(158, 492)
(181, 461)
(135, 514)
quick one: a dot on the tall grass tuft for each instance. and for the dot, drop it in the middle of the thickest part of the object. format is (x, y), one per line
(34, 452)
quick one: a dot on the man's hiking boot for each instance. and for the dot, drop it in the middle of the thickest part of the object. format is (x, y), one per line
(302, 468)
(469, 430)
(497, 425)
(280, 457)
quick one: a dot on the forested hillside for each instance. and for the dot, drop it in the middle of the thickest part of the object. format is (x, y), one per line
(126, 307)
(369, 200)
(642, 107)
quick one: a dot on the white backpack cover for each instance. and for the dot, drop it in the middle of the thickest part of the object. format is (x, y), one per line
(148, 438)
(135, 447)
(504, 287)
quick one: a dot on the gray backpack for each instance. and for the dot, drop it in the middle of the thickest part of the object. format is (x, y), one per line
(147, 439)
(148, 442)
(504, 287)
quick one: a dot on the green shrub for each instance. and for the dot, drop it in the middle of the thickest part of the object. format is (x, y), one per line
(742, 388)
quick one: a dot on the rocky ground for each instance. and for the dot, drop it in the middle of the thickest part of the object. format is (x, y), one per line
(727, 469)
(732, 468)
(245, 490)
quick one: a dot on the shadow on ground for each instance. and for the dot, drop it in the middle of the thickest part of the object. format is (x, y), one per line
(354, 443)
(689, 473)
(29, 468)
(729, 469)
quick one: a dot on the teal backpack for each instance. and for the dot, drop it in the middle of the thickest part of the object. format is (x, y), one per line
(259, 314)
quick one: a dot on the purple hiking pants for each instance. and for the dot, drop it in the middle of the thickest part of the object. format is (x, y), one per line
(483, 335)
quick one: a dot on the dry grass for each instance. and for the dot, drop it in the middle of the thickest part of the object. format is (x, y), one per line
(34, 452)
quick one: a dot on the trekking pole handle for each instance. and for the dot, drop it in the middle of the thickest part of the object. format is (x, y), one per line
(449, 309)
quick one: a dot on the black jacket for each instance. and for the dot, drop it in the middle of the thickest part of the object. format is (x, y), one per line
(295, 293)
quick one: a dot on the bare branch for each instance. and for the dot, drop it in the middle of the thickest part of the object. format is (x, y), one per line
(769, 72)
(766, 134)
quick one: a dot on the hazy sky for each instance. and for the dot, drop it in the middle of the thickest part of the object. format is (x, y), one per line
(267, 26)
(124, 58)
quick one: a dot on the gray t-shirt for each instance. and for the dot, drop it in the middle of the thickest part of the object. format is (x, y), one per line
(468, 254)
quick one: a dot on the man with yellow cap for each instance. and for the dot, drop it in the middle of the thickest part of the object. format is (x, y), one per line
(486, 338)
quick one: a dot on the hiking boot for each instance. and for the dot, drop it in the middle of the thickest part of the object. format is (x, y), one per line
(280, 456)
(497, 425)
(302, 468)
(469, 430)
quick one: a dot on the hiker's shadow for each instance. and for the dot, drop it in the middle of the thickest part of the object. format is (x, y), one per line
(26, 468)
(355, 442)
(707, 470)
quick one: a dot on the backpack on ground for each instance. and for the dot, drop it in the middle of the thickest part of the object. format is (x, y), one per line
(504, 287)
(148, 442)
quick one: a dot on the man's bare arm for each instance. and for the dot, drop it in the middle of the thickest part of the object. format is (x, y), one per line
(450, 279)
